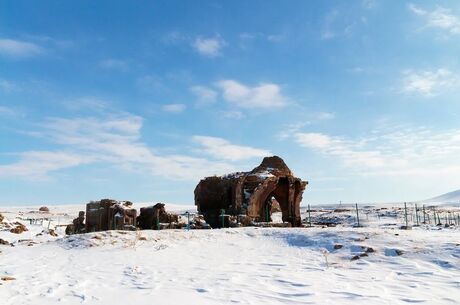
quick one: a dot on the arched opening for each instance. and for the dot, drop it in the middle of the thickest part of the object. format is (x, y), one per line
(281, 194)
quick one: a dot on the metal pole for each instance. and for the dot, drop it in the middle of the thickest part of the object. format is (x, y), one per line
(188, 220)
(424, 219)
(405, 214)
(309, 216)
(357, 214)
(416, 214)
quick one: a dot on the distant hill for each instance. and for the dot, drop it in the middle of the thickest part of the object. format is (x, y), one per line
(452, 197)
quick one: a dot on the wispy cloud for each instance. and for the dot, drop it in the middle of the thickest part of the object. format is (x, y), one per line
(174, 108)
(441, 18)
(19, 49)
(114, 64)
(204, 94)
(400, 151)
(113, 140)
(7, 86)
(210, 47)
(35, 165)
(264, 95)
(222, 149)
(233, 115)
(92, 103)
(151, 83)
(328, 30)
(6, 111)
(369, 4)
(429, 83)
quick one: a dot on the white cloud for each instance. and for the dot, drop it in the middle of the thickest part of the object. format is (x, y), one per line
(114, 64)
(441, 18)
(6, 111)
(369, 4)
(6, 86)
(210, 47)
(18, 48)
(429, 83)
(35, 165)
(86, 102)
(151, 83)
(204, 94)
(174, 108)
(396, 152)
(114, 140)
(233, 115)
(275, 37)
(222, 149)
(264, 95)
(314, 140)
(328, 31)
(322, 116)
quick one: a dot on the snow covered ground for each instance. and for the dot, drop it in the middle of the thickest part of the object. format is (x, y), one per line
(375, 264)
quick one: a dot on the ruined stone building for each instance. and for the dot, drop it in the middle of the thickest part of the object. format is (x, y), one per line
(109, 214)
(78, 225)
(252, 194)
(151, 217)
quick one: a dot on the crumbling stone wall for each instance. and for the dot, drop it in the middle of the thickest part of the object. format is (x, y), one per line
(108, 214)
(78, 225)
(151, 217)
(252, 194)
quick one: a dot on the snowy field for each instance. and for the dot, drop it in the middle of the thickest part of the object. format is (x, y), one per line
(375, 264)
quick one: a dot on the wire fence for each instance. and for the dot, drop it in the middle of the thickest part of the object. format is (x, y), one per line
(405, 214)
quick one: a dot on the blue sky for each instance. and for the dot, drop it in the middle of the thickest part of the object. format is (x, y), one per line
(138, 101)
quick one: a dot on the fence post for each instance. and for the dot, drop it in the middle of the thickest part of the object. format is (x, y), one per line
(222, 211)
(405, 214)
(416, 214)
(357, 214)
(309, 216)
(188, 220)
(424, 219)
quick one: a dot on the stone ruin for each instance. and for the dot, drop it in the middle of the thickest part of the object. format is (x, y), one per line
(153, 217)
(251, 195)
(108, 214)
(78, 225)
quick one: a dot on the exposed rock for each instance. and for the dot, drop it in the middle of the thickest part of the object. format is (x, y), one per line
(44, 209)
(1, 217)
(4, 242)
(19, 228)
(7, 278)
(338, 210)
(370, 250)
(338, 246)
(358, 256)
